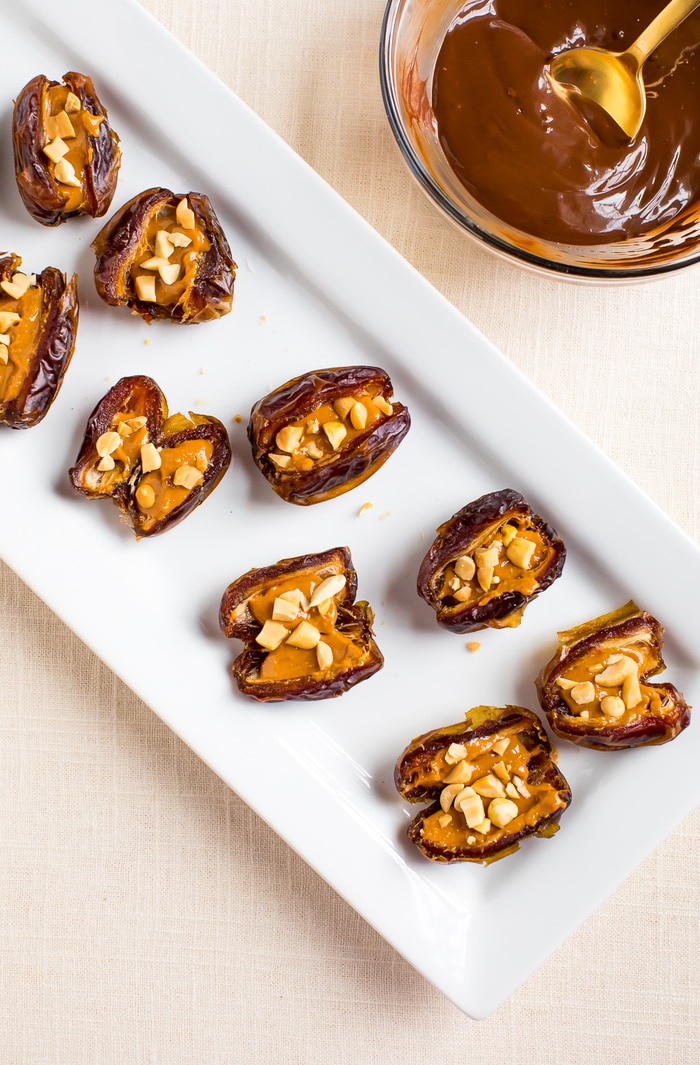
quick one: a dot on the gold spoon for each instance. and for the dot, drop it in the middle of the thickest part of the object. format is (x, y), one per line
(613, 80)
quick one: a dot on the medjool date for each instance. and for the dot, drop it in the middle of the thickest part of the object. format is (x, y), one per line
(67, 156)
(488, 562)
(166, 256)
(595, 689)
(491, 782)
(305, 636)
(38, 326)
(156, 468)
(327, 431)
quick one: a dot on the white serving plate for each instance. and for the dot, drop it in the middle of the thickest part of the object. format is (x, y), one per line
(318, 287)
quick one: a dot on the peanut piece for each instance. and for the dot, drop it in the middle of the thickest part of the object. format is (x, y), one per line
(502, 812)
(520, 552)
(150, 457)
(188, 477)
(618, 668)
(612, 706)
(489, 786)
(7, 320)
(335, 433)
(305, 636)
(324, 655)
(343, 406)
(282, 462)
(283, 610)
(145, 286)
(271, 635)
(508, 534)
(449, 794)
(383, 405)
(465, 567)
(460, 773)
(107, 443)
(583, 692)
(289, 438)
(66, 175)
(72, 103)
(145, 496)
(55, 150)
(486, 559)
(184, 214)
(17, 286)
(471, 806)
(358, 415)
(456, 752)
(327, 589)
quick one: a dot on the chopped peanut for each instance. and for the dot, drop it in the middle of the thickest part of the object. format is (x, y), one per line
(305, 636)
(271, 635)
(327, 589)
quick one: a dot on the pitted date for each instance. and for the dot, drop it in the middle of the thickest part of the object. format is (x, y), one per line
(595, 689)
(155, 467)
(491, 781)
(305, 636)
(165, 256)
(488, 562)
(326, 432)
(38, 326)
(67, 156)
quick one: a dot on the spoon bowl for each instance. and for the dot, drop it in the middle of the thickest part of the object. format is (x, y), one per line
(613, 80)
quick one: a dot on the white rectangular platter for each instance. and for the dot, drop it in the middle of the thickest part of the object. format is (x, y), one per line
(317, 287)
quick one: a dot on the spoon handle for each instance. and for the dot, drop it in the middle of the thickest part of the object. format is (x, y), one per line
(659, 28)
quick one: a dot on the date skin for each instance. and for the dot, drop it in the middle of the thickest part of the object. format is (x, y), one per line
(42, 195)
(140, 397)
(354, 623)
(51, 347)
(474, 525)
(625, 629)
(340, 470)
(207, 291)
(421, 768)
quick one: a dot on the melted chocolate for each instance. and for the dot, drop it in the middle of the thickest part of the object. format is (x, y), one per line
(530, 157)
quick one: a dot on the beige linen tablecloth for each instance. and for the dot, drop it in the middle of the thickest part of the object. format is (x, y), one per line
(148, 917)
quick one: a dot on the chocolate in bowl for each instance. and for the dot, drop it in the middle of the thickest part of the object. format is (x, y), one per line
(507, 160)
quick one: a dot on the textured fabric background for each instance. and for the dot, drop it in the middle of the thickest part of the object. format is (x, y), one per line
(147, 916)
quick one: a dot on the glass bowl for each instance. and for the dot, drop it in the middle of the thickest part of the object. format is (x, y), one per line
(411, 37)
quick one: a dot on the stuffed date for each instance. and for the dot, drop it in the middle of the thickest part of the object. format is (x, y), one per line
(595, 690)
(165, 256)
(155, 467)
(67, 156)
(491, 781)
(325, 432)
(488, 562)
(305, 636)
(38, 326)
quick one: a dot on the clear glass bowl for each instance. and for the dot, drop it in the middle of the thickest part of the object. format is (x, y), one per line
(412, 34)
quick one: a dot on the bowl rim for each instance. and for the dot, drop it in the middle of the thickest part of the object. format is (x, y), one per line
(502, 247)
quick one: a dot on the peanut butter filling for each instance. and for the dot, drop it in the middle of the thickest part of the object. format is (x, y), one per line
(605, 687)
(68, 128)
(165, 475)
(301, 444)
(298, 618)
(511, 560)
(487, 792)
(20, 321)
(167, 262)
